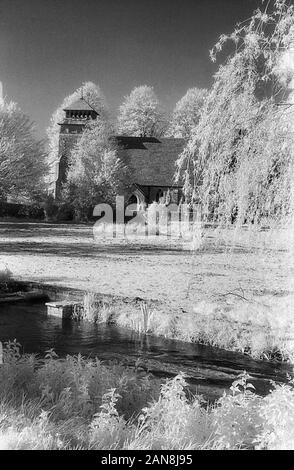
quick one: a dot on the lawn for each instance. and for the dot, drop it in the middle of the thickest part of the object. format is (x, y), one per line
(152, 269)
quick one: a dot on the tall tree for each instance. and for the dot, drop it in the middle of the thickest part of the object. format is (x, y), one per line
(140, 114)
(239, 161)
(96, 174)
(22, 156)
(94, 96)
(186, 114)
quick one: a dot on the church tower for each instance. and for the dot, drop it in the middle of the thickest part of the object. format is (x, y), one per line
(76, 117)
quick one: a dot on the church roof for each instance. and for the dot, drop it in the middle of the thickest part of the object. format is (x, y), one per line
(151, 160)
(80, 105)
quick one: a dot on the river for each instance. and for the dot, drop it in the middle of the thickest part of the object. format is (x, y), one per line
(209, 370)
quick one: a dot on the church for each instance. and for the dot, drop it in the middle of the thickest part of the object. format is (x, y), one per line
(151, 160)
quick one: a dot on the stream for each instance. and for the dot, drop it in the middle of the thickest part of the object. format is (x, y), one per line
(208, 370)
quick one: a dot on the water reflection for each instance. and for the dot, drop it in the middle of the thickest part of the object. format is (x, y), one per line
(210, 370)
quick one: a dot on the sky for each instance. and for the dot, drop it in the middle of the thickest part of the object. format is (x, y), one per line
(49, 47)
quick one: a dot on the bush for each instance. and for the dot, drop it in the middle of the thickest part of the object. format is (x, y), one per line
(32, 212)
(8, 209)
(277, 412)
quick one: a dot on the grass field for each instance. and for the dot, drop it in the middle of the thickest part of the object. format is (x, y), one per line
(154, 269)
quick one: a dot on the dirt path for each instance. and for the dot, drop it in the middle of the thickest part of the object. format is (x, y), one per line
(67, 255)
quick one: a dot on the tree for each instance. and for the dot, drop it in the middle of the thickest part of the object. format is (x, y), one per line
(94, 96)
(22, 156)
(187, 112)
(140, 114)
(96, 174)
(239, 161)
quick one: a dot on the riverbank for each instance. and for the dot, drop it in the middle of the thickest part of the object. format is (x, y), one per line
(262, 329)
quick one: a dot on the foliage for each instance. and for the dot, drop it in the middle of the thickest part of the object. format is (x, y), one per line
(107, 426)
(238, 162)
(173, 421)
(277, 413)
(235, 419)
(71, 386)
(97, 311)
(260, 326)
(95, 174)
(112, 407)
(140, 114)
(22, 156)
(187, 113)
(12, 210)
(90, 310)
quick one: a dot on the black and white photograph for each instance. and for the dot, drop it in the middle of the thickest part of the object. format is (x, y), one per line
(146, 228)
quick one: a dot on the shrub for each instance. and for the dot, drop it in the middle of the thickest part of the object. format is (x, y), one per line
(8, 209)
(31, 212)
(236, 419)
(173, 422)
(277, 412)
(108, 430)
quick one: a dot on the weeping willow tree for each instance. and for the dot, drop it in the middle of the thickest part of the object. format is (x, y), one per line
(238, 163)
